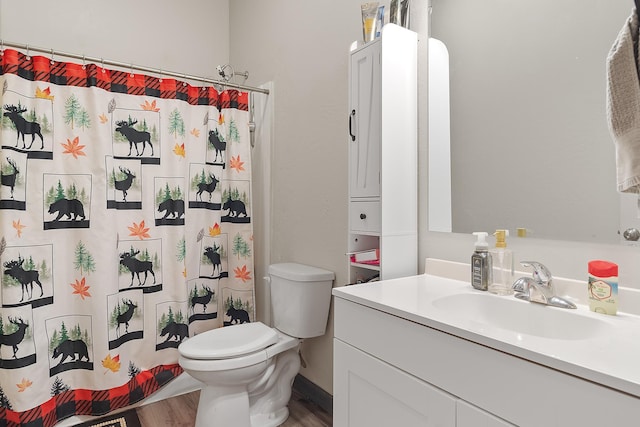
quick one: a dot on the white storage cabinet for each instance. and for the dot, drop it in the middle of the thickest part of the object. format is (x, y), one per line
(383, 154)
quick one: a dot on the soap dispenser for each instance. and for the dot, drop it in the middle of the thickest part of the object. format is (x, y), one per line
(502, 263)
(481, 263)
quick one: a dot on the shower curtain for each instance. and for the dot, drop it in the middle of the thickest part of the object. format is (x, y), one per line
(125, 223)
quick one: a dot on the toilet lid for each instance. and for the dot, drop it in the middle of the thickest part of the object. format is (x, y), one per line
(229, 341)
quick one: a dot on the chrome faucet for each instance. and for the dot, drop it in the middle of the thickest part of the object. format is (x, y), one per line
(539, 288)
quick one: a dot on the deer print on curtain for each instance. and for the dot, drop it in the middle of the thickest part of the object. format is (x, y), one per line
(125, 227)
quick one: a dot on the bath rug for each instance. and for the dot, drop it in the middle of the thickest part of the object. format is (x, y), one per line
(128, 418)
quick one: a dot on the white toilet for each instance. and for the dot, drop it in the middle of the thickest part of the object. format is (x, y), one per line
(248, 369)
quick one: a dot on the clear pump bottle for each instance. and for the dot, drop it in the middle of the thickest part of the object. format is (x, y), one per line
(502, 260)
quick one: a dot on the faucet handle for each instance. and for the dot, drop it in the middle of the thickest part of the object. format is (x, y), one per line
(541, 274)
(521, 285)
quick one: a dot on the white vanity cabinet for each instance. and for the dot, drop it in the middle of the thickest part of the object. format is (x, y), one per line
(375, 393)
(378, 394)
(369, 392)
(383, 154)
(395, 365)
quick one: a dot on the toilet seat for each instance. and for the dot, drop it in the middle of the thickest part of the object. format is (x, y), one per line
(229, 342)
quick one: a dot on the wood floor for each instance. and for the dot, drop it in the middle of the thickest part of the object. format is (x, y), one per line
(181, 412)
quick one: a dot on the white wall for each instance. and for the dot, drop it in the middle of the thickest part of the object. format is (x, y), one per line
(190, 37)
(303, 49)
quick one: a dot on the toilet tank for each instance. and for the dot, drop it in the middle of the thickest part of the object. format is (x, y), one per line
(300, 299)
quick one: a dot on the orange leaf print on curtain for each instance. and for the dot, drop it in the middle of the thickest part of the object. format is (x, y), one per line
(81, 288)
(25, 384)
(150, 106)
(19, 227)
(242, 273)
(73, 147)
(139, 231)
(236, 164)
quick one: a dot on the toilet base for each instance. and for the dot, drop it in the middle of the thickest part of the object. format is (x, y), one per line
(231, 398)
(268, 402)
(210, 413)
(271, 420)
(216, 408)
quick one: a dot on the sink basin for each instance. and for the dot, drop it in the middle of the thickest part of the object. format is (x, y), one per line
(520, 316)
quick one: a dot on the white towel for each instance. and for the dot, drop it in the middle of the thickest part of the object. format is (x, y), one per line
(623, 104)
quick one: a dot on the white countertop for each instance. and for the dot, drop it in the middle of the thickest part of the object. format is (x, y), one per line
(611, 357)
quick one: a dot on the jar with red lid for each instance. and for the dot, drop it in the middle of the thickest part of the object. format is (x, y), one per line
(603, 287)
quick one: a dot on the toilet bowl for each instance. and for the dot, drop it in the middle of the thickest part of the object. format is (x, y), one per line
(248, 369)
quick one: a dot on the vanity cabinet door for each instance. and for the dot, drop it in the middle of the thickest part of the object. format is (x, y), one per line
(369, 392)
(472, 416)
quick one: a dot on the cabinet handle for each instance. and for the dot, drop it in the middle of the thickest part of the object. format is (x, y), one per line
(363, 216)
(352, 116)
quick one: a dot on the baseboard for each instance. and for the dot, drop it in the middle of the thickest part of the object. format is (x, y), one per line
(314, 393)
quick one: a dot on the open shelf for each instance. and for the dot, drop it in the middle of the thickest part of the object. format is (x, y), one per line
(366, 266)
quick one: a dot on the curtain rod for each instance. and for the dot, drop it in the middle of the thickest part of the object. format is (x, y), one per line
(102, 61)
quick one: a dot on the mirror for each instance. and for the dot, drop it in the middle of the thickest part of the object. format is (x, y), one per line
(529, 142)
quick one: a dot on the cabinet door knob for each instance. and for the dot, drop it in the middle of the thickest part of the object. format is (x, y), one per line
(352, 116)
(363, 216)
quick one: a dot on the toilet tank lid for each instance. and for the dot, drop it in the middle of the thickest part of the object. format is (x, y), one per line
(229, 341)
(300, 272)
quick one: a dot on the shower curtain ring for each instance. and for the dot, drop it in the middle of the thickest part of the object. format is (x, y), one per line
(52, 61)
(28, 54)
(1, 47)
(84, 63)
(131, 70)
(102, 65)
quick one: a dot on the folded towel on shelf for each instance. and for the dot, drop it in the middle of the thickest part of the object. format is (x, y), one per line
(371, 257)
(623, 104)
